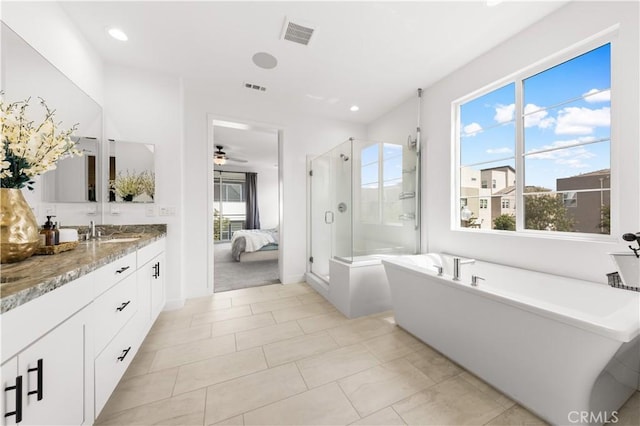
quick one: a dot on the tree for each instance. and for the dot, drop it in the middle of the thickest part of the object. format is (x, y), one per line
(605, 219)
(219, 223)
(505, 222)
(547, 212)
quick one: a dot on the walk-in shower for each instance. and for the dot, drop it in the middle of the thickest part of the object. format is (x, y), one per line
(364, 202)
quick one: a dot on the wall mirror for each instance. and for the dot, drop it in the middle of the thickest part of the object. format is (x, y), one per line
(26, 74)
(131, 172)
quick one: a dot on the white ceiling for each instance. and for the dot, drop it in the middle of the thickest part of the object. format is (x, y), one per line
(373, 54)
(258, 146)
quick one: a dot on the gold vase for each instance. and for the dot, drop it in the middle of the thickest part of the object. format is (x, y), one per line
(19, 234)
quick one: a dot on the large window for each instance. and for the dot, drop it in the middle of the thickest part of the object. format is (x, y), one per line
(540, 148)
(229, 204)
(381, 184)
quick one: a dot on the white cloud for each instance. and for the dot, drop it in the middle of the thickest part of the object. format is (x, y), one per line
(594, 95)
(503, 150)
(504, 113)
(537, 119)
(570, 157)
(472, 129)
(581, 120)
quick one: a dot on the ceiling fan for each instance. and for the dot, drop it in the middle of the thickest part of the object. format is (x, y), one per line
(220, 157)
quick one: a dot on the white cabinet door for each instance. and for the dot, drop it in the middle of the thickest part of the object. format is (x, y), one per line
(12, 387)
(157, 285)
(53, 376)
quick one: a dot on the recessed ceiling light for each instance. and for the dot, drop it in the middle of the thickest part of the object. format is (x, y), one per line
(265, 60)
(354, 108)
(118, 34)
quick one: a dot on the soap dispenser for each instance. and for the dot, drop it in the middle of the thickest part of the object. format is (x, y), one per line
(56, 234)
(47, 234)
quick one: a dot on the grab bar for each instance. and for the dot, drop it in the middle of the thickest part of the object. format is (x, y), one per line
(405, 195)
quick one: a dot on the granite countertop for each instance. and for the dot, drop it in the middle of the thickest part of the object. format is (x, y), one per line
(23, 281)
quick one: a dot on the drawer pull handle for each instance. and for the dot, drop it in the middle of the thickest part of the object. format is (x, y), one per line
(156, 270)
(18, 389)
(124, 305)
(121, 270)
(40, 379)
(124, 354)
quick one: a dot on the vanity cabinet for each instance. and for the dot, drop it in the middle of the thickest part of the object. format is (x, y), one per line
(64, 352)
(44, 382)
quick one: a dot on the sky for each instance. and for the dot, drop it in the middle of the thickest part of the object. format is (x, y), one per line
(564, 106)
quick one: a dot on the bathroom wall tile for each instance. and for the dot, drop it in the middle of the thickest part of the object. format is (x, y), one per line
(141, 390)
(241, 324)
(381, 386)
(221, 315)
(166, 339)
(385, 417)
(273, 305)
(302, 311)
(246, 393)
(161, 412)
(186, 353)
(434, 365)
(325, 405)
(361, 329)
(487, 389)
(322, 322)
(391, 345)
(297, 348)
(336, 364)
(454, 402)
(268, 334)
(219, 369)
(518, 416)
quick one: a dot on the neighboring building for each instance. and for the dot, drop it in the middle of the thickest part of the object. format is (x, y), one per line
(487, 193)
(587, 198)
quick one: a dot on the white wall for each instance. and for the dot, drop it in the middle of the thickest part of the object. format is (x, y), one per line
(564, 28)
(147, 107)
(302, 136)
(46, 27)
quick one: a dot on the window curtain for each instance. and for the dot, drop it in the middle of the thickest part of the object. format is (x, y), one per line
(253, 214)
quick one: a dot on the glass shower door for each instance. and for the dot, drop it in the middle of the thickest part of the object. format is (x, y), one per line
(331, 219)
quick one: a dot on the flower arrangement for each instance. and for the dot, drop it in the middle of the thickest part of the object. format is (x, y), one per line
(127, 186)
(28, 150)
(148, 183)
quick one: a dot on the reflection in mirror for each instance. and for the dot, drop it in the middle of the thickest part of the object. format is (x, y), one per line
(131, 172)
(26, 74)
(75, 178)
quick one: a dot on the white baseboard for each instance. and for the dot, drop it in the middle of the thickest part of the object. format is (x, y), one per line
(292, 279)
(174, 304)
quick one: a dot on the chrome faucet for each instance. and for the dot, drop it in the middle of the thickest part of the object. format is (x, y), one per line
(440, 270)
(92, 230)
(474, 280)
(456, 266)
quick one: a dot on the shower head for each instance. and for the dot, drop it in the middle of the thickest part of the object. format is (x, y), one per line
(631, 237)
(344, 157)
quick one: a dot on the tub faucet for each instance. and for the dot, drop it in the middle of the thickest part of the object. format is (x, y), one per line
(456, 266)
(474, 280)
(440, 270)
(92, 230)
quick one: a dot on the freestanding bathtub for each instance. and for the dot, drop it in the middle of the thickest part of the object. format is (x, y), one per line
(568, 350)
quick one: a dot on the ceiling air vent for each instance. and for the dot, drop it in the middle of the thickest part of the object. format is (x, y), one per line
(255, 87)
(297, 32)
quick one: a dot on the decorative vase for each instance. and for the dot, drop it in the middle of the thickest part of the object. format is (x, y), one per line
(19, 234)
(128, 197)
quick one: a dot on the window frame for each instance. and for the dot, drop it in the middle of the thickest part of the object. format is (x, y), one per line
(608, 36)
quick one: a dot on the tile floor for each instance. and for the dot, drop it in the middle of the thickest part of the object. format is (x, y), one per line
(283, 355)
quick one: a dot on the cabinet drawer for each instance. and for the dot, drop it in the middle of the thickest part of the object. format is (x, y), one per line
(115, 271)
(111, 364)
(113, 309)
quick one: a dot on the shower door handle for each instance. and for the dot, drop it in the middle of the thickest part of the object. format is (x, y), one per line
(328, 217)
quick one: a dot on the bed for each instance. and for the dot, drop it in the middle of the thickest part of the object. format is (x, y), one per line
(250, 245)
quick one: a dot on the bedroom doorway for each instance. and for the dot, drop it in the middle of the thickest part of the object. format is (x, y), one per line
(245, 205)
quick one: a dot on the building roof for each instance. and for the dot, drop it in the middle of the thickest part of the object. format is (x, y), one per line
(506, 191)
(499, 168)
(595, 173)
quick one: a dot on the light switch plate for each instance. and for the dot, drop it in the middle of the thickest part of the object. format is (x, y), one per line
(150, 211)
(115, 210)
